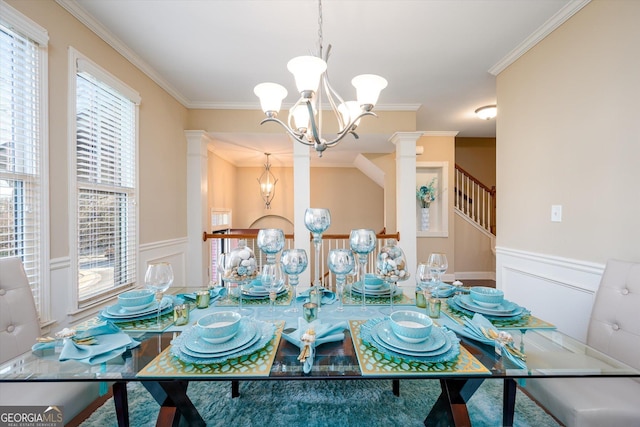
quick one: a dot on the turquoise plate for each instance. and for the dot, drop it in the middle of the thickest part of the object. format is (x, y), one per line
(119, 312)
(434, 341)
(246, 332)
(264, 335)
(451, 353)
(506, 309)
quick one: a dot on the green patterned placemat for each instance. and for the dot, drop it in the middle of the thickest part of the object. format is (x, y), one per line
(284, 299)
(525, 322)
(349, 298)
(373, 362)
(145, 325)
(257, 364)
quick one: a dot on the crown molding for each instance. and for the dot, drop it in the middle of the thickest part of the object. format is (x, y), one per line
(81, 15)
(203, 105)
(536, 37)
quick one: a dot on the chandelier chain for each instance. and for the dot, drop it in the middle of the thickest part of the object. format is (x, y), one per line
(320, 39)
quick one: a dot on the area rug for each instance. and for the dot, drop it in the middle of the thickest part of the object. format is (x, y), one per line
(324, 403)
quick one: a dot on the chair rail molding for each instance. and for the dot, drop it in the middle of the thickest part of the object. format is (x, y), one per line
(556, 289)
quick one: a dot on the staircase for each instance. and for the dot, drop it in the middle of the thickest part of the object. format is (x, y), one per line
(475, 201)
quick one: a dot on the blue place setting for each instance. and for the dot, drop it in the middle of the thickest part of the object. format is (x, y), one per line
(441, 345)
(328, 297)
(504, 310)
(255, 290)
(252, 335)
(116, 313)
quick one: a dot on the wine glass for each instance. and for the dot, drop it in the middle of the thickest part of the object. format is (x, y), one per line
(272, 280)
(294, 262)
(437, 266)
(158, 278)
(223, 283)
(391, 266)
(423, 279)
(317, 220)
(341, 263)
(271, 241)
(363, 242)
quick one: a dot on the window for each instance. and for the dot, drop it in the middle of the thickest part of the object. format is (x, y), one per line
(23, 153)
(106, 182)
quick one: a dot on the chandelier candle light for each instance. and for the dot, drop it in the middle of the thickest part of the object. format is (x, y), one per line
(267, 183)
(305, 117)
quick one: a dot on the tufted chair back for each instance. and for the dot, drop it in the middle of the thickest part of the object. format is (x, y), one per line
(614, 327)
(19, 324)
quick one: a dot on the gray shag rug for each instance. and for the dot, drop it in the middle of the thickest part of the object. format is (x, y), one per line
(323, 403)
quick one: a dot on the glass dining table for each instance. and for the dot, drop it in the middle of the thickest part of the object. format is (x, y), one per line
(549, 354)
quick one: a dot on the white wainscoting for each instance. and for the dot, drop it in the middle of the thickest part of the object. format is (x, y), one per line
(555, 289)
(64, 310)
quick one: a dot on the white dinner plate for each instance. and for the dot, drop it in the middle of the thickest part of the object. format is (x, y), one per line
(433, 353)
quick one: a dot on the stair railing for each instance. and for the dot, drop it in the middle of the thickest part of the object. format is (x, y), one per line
(475, 200)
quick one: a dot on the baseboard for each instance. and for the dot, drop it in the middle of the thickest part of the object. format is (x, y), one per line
(475, 275)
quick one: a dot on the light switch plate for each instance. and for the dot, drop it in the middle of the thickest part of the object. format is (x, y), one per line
(556, 213)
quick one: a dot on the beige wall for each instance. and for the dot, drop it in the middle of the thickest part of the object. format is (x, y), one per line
(162, 149)
(221, 183)
(568, 134)
(478, 157)
(354, 200)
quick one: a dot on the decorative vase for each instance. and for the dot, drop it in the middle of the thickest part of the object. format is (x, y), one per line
(424, 219)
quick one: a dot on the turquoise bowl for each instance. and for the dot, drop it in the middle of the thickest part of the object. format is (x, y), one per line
(411, 326)
(136, 299)
(218, 327)
(486, 297)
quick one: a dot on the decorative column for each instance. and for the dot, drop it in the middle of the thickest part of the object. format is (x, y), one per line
(197, 262)
(302, 201)
(405, 143)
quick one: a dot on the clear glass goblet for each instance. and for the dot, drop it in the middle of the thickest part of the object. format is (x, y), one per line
(317, 220)
(270, 241)
(294, 262)
(158, 278)
(272, 280)
(438, 264)
(341, 262)
(363, 242)
(223, 283)
(423, 280)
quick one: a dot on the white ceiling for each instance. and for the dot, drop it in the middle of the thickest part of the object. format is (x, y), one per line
(439, 56)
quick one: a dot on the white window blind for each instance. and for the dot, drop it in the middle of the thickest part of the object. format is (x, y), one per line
(22, 195)
(106, 185)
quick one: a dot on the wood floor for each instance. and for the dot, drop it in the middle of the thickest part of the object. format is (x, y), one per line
(480, 282)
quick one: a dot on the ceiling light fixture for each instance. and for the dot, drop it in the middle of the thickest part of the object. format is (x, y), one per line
(267, 183)
(487, 112)
(305, 117)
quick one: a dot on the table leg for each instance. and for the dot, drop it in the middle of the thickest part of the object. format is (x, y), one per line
(396, 387)
(508, 402)
(451, 407)
(121, 403)
(235, 388)
(174, 402)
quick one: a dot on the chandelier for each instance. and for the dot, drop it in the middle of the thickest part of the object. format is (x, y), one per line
(267, 183)
(305, 117)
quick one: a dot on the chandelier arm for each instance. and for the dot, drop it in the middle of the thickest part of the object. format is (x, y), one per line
(314, 128)
(349, 129)
(289, 131)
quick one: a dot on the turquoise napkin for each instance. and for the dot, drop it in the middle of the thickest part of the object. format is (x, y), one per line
(328, 297)
(214, 293)
(325, 332)
(478, 327)
(101, 328)
(110, 342)
(444, 290)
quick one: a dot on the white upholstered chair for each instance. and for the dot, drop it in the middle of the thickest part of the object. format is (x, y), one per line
(19, 328)
(614, 329)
